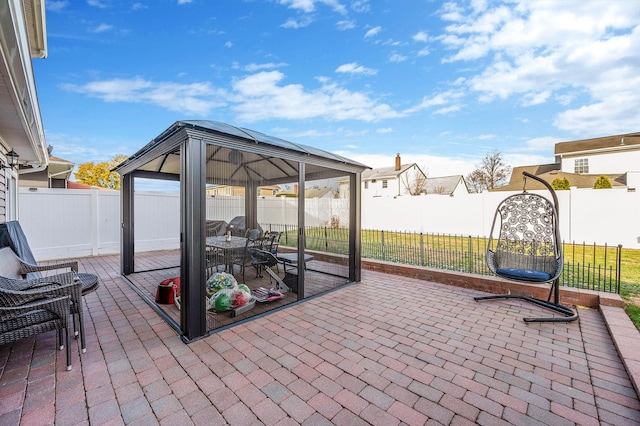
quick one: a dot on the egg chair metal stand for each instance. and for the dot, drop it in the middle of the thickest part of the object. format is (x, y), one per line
(525, 246)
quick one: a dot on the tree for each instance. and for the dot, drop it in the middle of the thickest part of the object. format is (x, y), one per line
(415, 181)
(100, 174)
(489, 174)
(560, 184)
(602, 182)
(476, 181)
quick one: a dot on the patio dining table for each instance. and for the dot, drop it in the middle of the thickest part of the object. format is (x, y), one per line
(226, 247)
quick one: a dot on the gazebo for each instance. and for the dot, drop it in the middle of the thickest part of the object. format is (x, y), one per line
(204, 156)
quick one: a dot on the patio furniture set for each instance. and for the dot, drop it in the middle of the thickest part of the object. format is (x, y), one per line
(31, 303)
(257, 250)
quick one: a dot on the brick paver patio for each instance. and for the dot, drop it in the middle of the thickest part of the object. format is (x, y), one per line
(387, 351)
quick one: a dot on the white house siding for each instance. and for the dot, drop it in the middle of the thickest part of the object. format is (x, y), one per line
(609, 163)
(375, 189)
(75, 223)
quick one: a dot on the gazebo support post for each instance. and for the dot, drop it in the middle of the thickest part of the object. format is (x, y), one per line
(193, 319)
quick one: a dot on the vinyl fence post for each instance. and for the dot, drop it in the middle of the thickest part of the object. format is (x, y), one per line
(470, 254)
(618, 263)
(95, 221)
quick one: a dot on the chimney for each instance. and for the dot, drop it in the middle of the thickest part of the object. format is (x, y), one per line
(398, 164)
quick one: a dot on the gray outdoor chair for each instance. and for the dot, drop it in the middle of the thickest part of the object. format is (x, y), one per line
(30, 312)
(242, 258)
(11, 235)
(11, 266)
(65, 284)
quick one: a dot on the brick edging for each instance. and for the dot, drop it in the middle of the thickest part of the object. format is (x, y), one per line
(626, 338)
(491, 284)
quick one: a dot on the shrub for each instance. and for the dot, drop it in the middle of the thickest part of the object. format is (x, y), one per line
(560, 184)
(602, 182)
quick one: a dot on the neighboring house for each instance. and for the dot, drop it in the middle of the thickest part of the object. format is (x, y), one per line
(391, 181)
(447, 185)
(581, 162)
(229, 190)
(77, 185)
(23, 37)
(608, 155)
(55, 175)
(550, 172)
(324, 192)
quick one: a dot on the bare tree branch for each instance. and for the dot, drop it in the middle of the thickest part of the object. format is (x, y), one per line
(490, 173)
(415, 181)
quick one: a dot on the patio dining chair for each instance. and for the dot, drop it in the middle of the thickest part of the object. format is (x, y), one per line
(242, 258)
(65, 284)
(28, 313)
(274, 243)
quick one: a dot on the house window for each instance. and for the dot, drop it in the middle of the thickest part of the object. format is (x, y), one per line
(581, 165)
(385, 183)
(366, 185)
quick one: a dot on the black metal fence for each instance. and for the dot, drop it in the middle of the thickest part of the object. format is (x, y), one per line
(591, 267)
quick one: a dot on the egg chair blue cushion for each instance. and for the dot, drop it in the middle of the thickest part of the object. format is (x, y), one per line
(524, 274)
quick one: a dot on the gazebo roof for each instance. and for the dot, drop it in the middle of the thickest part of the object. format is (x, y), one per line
(239, 155)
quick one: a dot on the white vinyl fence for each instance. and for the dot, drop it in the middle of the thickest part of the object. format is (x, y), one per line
(61, 223)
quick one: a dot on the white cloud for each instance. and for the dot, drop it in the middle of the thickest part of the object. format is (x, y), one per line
(345, 25)
(354, 68)
(309, 6)
(545, 52)
(56, 6)
(373, 32)
(420, 36)
(360, 6)
(396, 57)
(486, 137)
(533, 98)
(384, 130)
(102, 28)
(448, 109)
(443, 99)
(257, 97)
(96, 3)
(541, 144)
(304, 21)
(261, 97)
(228, 44)
(196, 98)
(267, 66)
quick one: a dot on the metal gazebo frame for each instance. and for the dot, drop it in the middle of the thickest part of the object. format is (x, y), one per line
(180, 154)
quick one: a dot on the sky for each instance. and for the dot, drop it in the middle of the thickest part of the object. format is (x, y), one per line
(442, 83)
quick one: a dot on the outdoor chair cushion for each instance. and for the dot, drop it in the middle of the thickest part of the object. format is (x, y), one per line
(524, 274)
